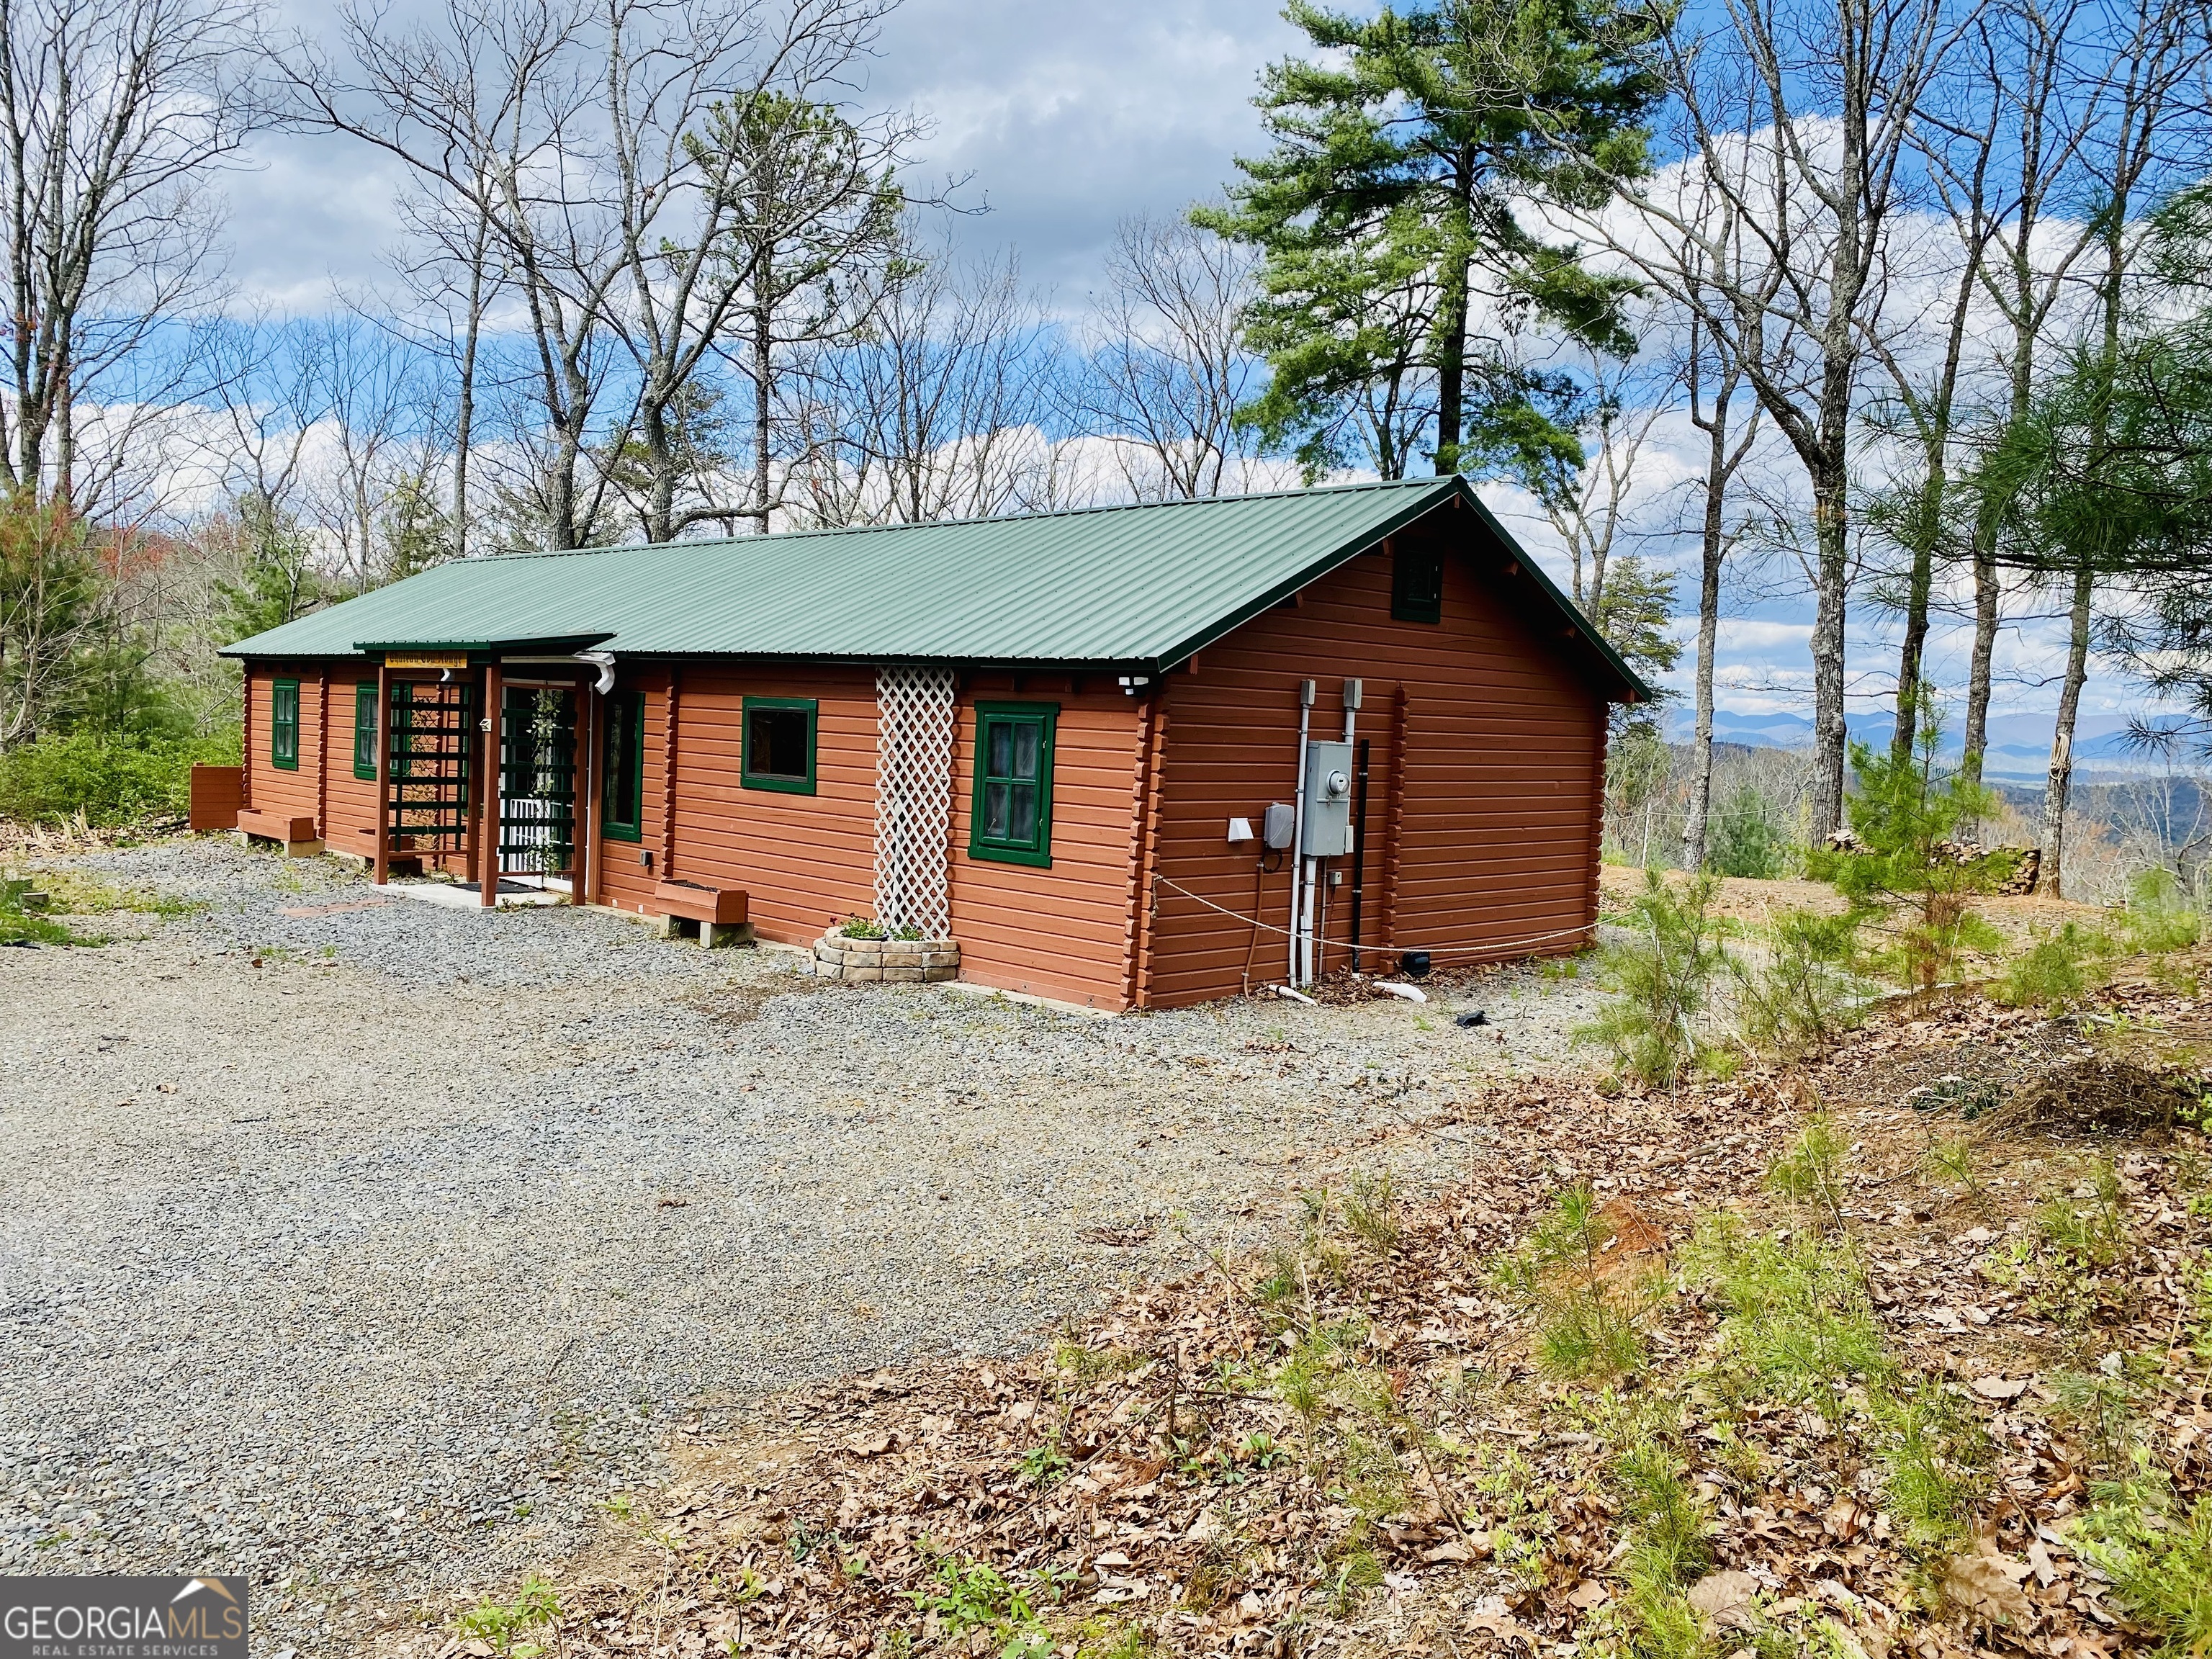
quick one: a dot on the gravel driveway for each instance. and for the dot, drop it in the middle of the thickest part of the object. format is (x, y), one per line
(366, 1246)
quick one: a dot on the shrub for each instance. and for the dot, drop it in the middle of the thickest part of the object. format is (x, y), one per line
(2158, 1558)
(2048, 974)
(1810, 1175)
(1805, 993)
(1588, 1299)
(1658, 979)
(1903, 815)
(111, 781)
(861, 928)
(1929, 1451)
(2159, 917)
(1800, 1322)
(1371, 1212)
(1747, 838)
(1668, 1550)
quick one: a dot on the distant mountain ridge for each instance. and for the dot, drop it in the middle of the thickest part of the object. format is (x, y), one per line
(2022, 746)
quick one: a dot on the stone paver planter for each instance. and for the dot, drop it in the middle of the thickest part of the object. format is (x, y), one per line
(910, 960)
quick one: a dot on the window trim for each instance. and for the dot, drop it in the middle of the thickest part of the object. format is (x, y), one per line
(1406, 559)
(364, 731)
(610, 826)
(1038, 851)
(777, 782)
(279, 726)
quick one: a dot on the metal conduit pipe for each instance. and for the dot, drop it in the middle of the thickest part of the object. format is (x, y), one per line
(1298, 830)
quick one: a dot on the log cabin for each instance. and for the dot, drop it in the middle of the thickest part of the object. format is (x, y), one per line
(1134, 757)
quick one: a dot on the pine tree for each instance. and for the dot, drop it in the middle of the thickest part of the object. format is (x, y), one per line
(1396, 263)
(276, 582)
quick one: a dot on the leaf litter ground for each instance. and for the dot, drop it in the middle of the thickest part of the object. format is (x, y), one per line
(1366, 1443)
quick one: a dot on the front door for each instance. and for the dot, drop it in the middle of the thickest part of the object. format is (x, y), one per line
(537, 781)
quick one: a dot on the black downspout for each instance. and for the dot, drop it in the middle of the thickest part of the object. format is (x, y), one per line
(1358, 844)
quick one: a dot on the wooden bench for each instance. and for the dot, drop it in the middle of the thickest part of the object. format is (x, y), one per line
(720, 912)
(217, 793)
(295, 833)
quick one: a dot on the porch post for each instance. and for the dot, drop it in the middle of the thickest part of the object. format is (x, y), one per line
(583, 887)
(487, 853)
(471, 797)
(382, 773)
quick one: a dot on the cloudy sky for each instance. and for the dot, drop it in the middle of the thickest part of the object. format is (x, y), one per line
(1065, 118)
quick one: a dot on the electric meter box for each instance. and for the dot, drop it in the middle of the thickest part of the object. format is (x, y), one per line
(1329, 800)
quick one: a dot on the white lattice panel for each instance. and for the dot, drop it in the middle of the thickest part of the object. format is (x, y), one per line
(914, 798)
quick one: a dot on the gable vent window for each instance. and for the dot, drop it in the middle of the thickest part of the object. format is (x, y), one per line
(1417, 583)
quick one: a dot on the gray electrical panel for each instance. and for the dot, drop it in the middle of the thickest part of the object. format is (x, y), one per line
(1281, 827)
(1329, 800)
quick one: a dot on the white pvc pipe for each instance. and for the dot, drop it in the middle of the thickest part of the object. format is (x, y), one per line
(1411, 992)
(1306, 924)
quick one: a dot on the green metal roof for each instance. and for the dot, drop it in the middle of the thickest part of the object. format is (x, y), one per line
(1140, 587)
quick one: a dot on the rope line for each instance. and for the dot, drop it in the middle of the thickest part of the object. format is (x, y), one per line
(1470, 948)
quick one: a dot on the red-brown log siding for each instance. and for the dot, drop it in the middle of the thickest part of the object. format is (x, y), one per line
(625, 879)
(272, 788)
(1497, 842)
(1061, 932)
(804, 861)
(352, 828)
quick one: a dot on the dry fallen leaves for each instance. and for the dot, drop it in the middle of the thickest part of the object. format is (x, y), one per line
(1169, 1487)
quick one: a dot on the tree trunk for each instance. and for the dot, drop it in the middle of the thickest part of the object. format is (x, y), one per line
(465, 410)
(660, 461)
(2060, 783)
(1920, 587)
(1452, 330)
(1980, 669)
(762, 365)
(1697, 823)
(1830, 741)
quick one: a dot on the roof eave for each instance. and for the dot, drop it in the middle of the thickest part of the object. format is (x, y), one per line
(1631, 687)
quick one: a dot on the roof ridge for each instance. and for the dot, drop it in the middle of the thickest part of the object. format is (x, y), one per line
(828, 531)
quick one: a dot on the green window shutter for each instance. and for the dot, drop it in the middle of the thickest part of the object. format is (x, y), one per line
(1417, 583)
(364, 730)
(1011, 820)
(777, 740)
(284, 724)
(621, 770)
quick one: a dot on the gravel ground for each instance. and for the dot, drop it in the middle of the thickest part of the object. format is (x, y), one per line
(365, 1246)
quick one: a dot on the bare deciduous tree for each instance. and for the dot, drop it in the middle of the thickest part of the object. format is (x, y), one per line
(1797, 116)
(938, 412)
(1168, 368)
(114, 115)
